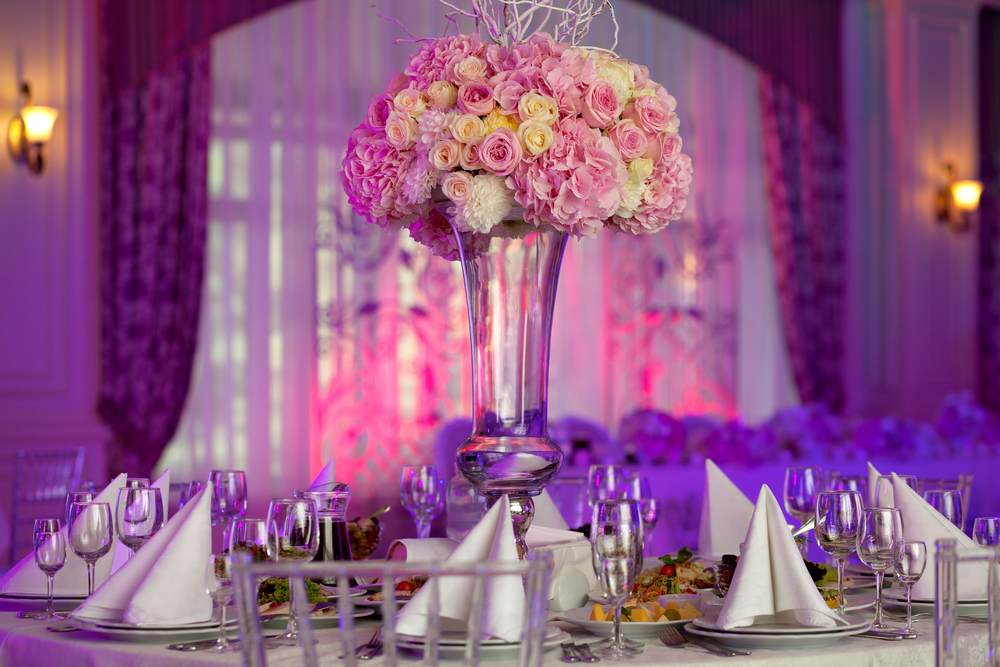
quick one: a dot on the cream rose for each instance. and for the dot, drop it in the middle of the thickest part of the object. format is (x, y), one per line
(640, 169)
(541, 108)
(411, 101)
(442, 94)
(457, 185)
(400, 130)
(445, 154)
(468, 127)
(470, 69)
(536, 137)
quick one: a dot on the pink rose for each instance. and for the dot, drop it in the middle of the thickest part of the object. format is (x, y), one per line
(476, 97)
(601, 105)
(470, 156)
(628, 139)
(398, 82)
(501, 151)
(445, 154)
(378, 112)
(648, 113)
(400, 131)
(470, 69)
(654, 148)
(671, 147)
(456, 186)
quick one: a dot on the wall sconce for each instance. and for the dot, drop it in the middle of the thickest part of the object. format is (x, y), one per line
(957, 200)
(29, 131)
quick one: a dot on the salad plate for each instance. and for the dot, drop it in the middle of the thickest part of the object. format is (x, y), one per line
(710, 623)
(148, 634)
(775, 641)
(452, 644)
(324, 616)
(896, 597)
(630, 629)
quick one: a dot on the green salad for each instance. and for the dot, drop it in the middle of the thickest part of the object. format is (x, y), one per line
(274, 592)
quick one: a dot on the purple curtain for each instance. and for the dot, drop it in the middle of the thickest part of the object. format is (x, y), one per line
(804, 177)
(153, 228)
(989, 209)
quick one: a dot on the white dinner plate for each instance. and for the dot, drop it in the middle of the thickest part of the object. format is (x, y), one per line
(278, 620)
(710, 623)
(34, 602)
(855, 583)
(377, 606)
(861, 570)
(493, 648)
(332, 592)
(775, 641)
(581, 617)
(167, 634)
(896, 597)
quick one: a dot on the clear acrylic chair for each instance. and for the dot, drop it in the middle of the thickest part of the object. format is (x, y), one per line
(536, 574)
(41, 476)
(963, 484)
(570, 496)
(947, 559)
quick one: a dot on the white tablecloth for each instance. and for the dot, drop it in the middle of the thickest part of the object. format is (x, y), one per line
(25, 643)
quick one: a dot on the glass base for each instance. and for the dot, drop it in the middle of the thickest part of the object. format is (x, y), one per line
(42, 615)
(614, 653)
(627, 642)
(287, 639)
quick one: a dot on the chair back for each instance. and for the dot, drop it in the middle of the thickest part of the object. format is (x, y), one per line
(947, 558)
(963, 484)
(536, 573)
(42, 476)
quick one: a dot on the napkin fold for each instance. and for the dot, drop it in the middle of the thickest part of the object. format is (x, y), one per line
(886, 499)
(164, 583)
(325, 475)
(546, 512)
(771, 583)
(433, 549)
(163, 484)
(573, 578)
(725, 514)
(491, 540)
(26, 578)
(923, 523)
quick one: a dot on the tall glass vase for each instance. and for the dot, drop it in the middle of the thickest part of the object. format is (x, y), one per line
(510, 288)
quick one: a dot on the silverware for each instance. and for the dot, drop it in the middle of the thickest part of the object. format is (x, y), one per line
(193, 646)
(374, 646)
(674, 639)
(877, 635)
(586, 653)
(62, 628)
(569, 652)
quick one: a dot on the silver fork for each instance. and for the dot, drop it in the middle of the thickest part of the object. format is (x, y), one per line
(674, 639)
(374, 646)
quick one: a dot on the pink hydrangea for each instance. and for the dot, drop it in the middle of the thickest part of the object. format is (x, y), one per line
(378, 111)
(436, 60)
(664, 199)
(575, 185)
(372, 174)
(433, 230)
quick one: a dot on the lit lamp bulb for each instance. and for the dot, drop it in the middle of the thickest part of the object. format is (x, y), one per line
(29, 131)
(966, 195)
(38, 122)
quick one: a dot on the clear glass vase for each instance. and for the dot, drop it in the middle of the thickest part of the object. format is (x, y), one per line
(510, 288)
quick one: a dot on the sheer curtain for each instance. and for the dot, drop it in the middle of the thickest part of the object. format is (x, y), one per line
(324, 337)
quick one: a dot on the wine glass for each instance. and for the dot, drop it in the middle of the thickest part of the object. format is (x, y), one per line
(616, 541)
(422, 493)
(911, 559)
(881, 530)
(190, 490)
(948, 503)
(883, 487)
(251, 535)
(50, 555)
(636, 487)
(91, 534)
(219, 584)
(229, 499)
(857, 483)
(137, 483)
(838, 522)
(801, 487)
(78, 497)
(138, 516)
(292, 535)
(986, 531)
(604, 482)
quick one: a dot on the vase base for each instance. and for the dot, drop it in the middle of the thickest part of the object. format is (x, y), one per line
(521, 466)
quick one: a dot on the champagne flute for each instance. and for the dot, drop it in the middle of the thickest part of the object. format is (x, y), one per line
(838, 522)
(801, 488)
(616, 541)
(604, 482)
(91, 534)
(292, 535)
(229, 499)
(986, 531)
(883, 489)
(219, 584)
(50, 556)
(138, 516)
(422, 493)
(881, 530)
(78, 497)
(911, 559)
(948, 503)
(637, 487)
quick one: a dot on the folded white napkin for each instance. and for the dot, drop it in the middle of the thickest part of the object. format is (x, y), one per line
(492, 540)
(325, 475)
(886, 499)
(164, 583)
(163, 484)
(573, 578)
(923, 523)
(431, 549)
(771, 583)
(725, 515)
(546, 512)
(25, 577)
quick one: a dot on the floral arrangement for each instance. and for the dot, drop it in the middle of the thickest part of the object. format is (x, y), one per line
(577, 137)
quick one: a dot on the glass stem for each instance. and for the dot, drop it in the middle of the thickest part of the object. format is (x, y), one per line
(91, 572)
(423, 528)
(51, 583)
(840, 586)
(293, 629)
(618, 627)
(223, 642)
(879, 575)
(227, 534)
(909, 616)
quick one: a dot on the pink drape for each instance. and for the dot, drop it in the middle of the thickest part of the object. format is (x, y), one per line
(153, 220)
(804, 177)
(989, 209)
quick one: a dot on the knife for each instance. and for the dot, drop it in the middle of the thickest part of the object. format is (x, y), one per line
(569, 652)
(586, 653)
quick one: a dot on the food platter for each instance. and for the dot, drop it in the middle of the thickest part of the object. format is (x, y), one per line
(632, 630)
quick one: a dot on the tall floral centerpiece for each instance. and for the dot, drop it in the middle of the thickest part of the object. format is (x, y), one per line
(491, 149)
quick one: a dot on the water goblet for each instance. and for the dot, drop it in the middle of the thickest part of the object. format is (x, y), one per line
(604, 482)
(801, 488)
(250, 535)
(881, 530)
(650, 508)
(50, 556)
(78, 497)
(857, 483)
(137, 483)
(948, 503)
(838, 522)
(422, 493)
(911, 559)
(91, 534)
(883, 489)
(616, 542)
(292, 535)
(190, 490)
(986, 531)
(219, 584)
(138, 516)
(229, 499)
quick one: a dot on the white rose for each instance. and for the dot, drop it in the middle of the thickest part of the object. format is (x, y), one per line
(535, 137)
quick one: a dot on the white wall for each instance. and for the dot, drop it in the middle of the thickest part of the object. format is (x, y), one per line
(49, 245)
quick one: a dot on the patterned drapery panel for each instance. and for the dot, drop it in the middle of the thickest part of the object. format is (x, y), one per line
(989, 209)
(805, 188)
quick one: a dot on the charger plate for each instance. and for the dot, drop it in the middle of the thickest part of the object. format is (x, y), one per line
(896, 597)
(775, 641)
(710, 623)
(146, 634)
(452, 644)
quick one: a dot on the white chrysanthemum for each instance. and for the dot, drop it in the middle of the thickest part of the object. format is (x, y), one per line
(631, 198)
(488, 202)
(434, 125)
(419, 180)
